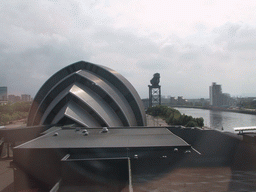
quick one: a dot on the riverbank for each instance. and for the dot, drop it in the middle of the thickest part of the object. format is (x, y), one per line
(244, 111)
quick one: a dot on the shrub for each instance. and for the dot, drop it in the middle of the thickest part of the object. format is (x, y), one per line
(191, 124)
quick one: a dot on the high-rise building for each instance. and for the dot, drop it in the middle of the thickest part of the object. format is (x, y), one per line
(217, 98)
(3, 93)
(215, 94)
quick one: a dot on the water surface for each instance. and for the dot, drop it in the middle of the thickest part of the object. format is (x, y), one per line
(221, 119)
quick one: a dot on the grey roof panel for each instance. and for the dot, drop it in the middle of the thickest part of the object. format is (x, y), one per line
(115, 138)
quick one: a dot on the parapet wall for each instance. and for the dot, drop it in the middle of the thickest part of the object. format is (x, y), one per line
(216, 148)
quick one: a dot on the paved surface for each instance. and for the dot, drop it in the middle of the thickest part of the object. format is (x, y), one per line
(151, 121)
(6, 175)
(6, 172)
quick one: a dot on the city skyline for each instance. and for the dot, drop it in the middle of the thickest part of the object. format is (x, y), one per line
(163, 96)
(190, 43)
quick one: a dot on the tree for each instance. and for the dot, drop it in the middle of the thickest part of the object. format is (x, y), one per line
(13, 112)
(200, 121)
(174, 117)
(5, 119)
(191, 124)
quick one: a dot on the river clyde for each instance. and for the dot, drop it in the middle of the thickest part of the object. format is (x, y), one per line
(221, 119)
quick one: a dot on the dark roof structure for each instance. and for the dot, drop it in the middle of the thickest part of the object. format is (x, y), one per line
(76, 158)
(88, 95)
(116, 137)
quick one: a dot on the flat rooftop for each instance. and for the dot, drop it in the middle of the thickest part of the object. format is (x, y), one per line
(114, 138)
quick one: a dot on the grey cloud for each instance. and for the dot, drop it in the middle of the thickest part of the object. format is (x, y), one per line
(153, 64)
(30, 68)
(44, 16)
(236, 36)
(168, 51)
(37, 40)
(242, 46)
(189, 56)
(123, 42)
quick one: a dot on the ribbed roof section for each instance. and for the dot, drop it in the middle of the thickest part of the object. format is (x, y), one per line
(88, 95)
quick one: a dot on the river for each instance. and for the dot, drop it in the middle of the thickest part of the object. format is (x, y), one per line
(221, 119)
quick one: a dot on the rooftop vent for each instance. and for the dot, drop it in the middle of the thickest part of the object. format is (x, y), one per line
(85, 132)
(104, 130)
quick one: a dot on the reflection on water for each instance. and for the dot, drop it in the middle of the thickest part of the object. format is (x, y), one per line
(221, 119)
(216, 120)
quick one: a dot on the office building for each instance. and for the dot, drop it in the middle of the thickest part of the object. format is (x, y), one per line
(3, 93)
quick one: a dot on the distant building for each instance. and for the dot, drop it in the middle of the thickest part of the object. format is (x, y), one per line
(25, 97)
(181, 100)
(165, 100)
(3, 93)
(217, 98)
(226, 99)
(215, 95)
(14, 98)
(177, 101)
(173, 101)
(202, 102)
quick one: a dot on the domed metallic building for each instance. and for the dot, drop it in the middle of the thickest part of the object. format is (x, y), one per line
(87, 95)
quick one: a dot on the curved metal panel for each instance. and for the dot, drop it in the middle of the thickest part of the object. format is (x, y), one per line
(55, 101)
(77, 114)
(99, 91)
(60, 115)
(36, 114)
(89, 98)
(115, 94)
(138, 105)
(97, 105)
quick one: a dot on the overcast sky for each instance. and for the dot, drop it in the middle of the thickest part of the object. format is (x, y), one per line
(191, 43)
